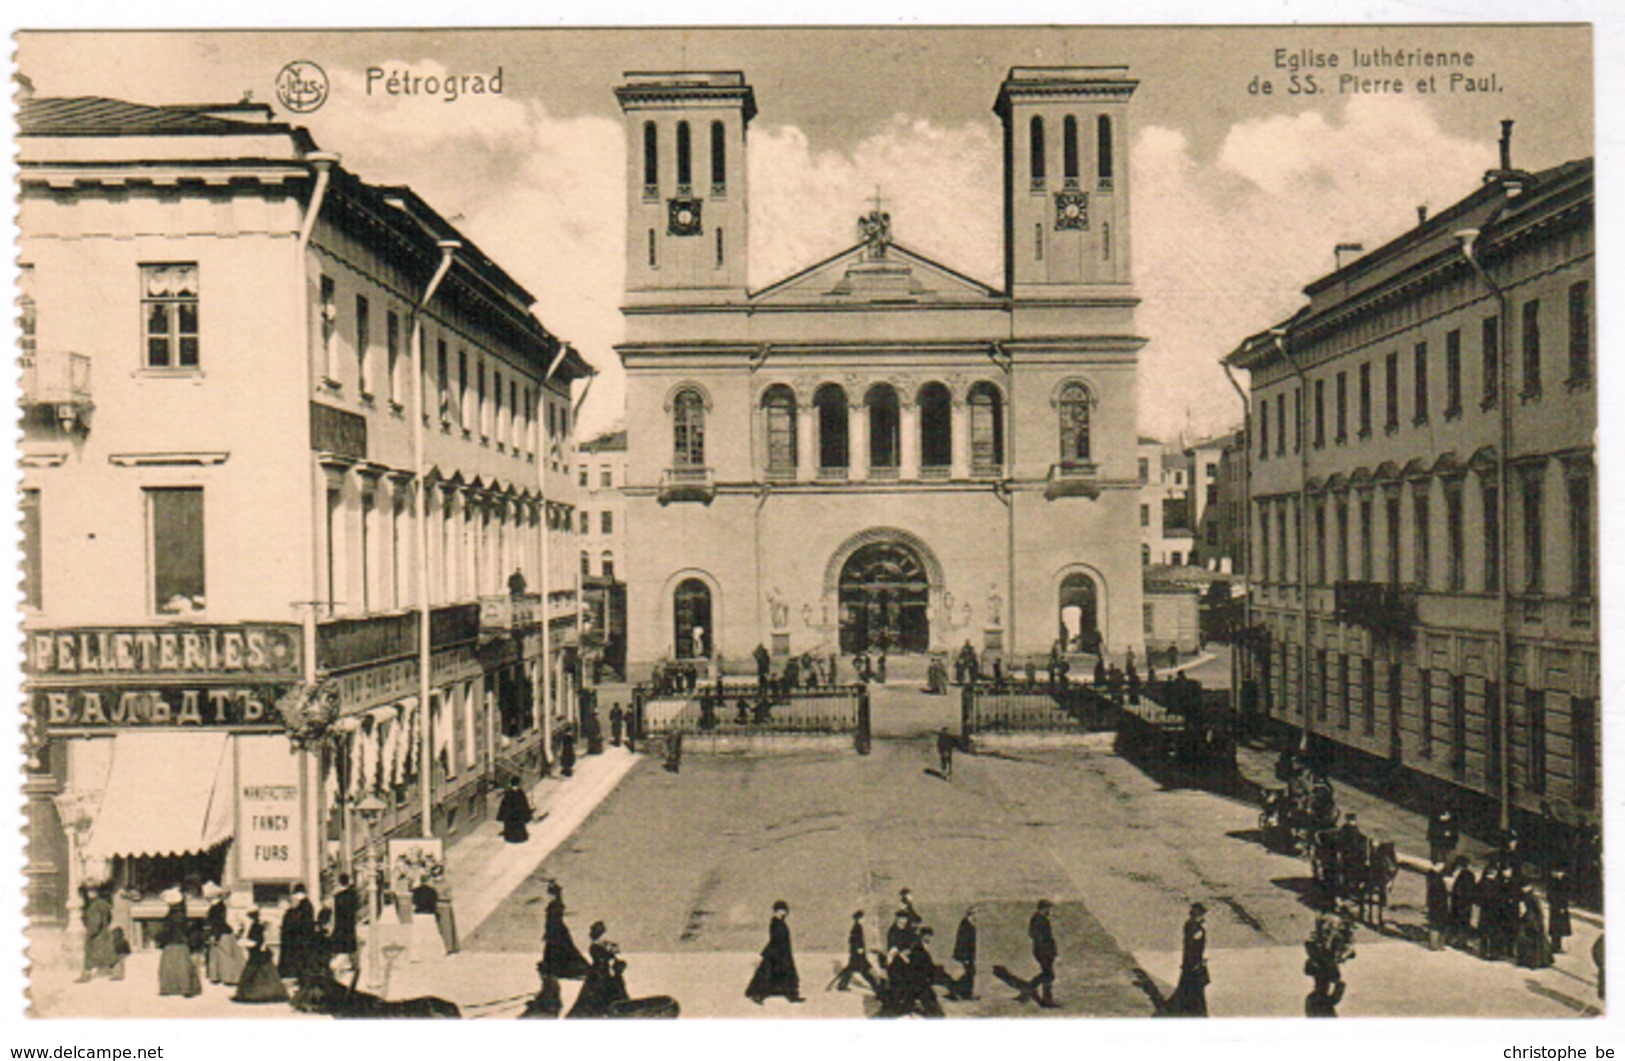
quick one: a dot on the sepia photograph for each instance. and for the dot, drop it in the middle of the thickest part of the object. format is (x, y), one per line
(767, 523)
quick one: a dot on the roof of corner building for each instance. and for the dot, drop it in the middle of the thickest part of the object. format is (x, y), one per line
(101, 116)
(1417, 245)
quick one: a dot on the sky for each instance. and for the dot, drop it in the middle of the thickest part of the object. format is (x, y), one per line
(1239, 197)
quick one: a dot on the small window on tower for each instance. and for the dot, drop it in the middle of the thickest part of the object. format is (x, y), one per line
(1069, 149)
(1036, 152)
(1038, 242)
(651, 160)
(720, 254)
(685, 168)
(654, 260)
(1103, 152)
(719, 159)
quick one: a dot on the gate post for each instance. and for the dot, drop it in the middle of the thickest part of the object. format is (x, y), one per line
(861, 737)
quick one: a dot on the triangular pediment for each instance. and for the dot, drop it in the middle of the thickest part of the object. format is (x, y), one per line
(856, 277)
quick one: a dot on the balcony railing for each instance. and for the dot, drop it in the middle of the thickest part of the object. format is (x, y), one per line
(1073, 479)
(687, 484)
(935, 471)
(59, 379)
(1387, 611)
(509, 612)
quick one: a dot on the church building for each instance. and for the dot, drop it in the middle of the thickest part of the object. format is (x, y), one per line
(879, 451)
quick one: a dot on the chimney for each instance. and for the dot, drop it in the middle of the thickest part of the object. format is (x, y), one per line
(1422, 215)
(1506, 143)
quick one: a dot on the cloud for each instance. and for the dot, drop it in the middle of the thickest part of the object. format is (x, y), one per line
(1224, 246)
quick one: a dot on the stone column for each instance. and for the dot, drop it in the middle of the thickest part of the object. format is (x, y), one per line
(959, 419)
(910, 429)
(857, 437)
(806, 442)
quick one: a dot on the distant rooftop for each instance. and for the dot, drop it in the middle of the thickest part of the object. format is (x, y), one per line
(100, 116)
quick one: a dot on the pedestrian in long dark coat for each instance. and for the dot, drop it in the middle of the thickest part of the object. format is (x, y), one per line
(615, 718)
(945, 751)
(1532, 947)
(346, 913)
(1100, 672)
(964, 989)
(224, 963)
(1044, 953)
(776, 973)
(259, 982)
(1463, 894)
(567, 753)
(1443, 837)
(919, 994)
(1190, 994)
(177, 972)
(1133, 679)
(1438, 907)
(1559, 925)
(298, 930)
(515, 813)
(560, 958)
(857, 959)
(99, 950)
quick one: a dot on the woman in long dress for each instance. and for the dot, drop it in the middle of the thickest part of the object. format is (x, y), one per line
(515, 813)
(225, 961)
(259, 981)
(561, 960)
(604, 994)
(1533, 947)
(177, 973)
(99, 951)
(776, 975)
(1190, 995)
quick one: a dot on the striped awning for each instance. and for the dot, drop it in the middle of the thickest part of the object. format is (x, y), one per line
(167, 793)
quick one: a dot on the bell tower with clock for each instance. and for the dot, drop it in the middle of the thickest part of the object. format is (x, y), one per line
(1066, 189)
(686, 200)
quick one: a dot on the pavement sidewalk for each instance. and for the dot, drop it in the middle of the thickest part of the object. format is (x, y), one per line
(483, 869)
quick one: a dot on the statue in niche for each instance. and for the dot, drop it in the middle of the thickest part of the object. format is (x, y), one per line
(994, 605)
(778, 608)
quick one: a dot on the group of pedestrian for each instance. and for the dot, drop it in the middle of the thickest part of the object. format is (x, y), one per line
(214, 949)
(602, 972)
(1499, 915)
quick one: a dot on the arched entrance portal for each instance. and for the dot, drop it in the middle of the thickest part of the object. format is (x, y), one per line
(1079, 619)
(691, 614)
(885, 596)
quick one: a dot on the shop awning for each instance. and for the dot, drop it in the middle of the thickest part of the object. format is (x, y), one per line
(167, 794)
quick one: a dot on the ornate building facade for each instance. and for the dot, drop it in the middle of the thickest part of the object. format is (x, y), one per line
(1423, 515)
(879, 450)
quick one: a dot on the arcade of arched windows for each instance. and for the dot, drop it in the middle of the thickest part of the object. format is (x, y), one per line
(479, 535)
(880, 430)
(1072, 132)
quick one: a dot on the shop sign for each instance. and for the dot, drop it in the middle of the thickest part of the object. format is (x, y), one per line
(262, 649)
(269, 838)
(385, 684)
(114, 706)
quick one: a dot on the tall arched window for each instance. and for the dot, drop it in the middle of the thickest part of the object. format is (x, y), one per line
(779, 412)
(885, 427)
(830, 401)
(688, 430)
(1103, 150)
(685, 162)
(608, 565)
(651, 157)
(1069, 148)
(1074, 406)
(986, 429)
(1035, 145)
(936, 426)
(719, 159)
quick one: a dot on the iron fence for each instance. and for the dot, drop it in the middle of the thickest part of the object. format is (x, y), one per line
(743, 709)
(1018, 708)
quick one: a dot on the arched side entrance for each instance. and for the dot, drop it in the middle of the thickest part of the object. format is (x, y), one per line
(885, 584)
(691, 608)
(1079, 610)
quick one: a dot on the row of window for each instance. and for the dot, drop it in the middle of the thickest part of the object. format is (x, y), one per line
(606, 476)
(1579, 373)
(503, 410)
(606, 564)
(1334, 517)
(606, 522)
(1444, 720)
(685, 159)
(1036, 151)
(831, 413)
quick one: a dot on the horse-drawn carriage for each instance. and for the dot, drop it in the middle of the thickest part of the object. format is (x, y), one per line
(1291, 816)
(1350, 867)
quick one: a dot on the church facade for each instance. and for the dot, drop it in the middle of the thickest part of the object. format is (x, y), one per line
(878, 451)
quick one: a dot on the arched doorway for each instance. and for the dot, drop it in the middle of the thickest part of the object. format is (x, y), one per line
(691, 615)
(885, 595)
(1079, 614)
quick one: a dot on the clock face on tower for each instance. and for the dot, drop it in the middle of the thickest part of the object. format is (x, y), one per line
(1071, 210)
(683, 217)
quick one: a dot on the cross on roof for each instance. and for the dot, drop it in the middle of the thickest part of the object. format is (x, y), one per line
(877, 200)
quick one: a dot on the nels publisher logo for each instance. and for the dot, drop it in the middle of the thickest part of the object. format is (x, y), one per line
(301, 86)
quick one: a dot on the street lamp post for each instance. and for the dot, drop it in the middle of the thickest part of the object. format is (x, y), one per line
(371, 808)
